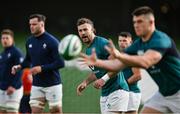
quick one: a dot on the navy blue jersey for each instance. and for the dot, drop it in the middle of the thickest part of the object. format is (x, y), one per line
(43, 51)
(8, 58)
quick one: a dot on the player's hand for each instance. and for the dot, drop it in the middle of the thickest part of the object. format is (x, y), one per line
(10, 90)
(114, 53)
(88, 60)
(98, 84)
(15, 68)
(35, 70)
(80, 88)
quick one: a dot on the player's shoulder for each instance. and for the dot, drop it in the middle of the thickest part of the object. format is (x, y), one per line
(16, 49)
(51, 39)
(160, 38)
(29, 39)
(101, 40)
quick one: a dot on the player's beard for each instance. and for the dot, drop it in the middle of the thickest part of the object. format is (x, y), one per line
(36, 33)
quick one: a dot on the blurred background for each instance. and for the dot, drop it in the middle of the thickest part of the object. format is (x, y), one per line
(109, 17)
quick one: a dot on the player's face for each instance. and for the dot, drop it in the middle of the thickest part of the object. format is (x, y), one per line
(141, 25)
(36, 26)
(6, 40)
(124, 42)
(86, 32)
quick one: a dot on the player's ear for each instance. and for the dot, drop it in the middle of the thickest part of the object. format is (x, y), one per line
(42, 24)
(151, 22)
(94, 30)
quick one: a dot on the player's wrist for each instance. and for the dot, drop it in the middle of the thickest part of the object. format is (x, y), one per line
(105, 78)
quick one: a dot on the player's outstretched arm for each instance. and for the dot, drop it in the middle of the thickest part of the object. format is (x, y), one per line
(150, 58)
(147, 60)
(113, 65)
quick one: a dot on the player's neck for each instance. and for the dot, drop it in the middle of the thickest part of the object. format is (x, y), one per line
(92, 39)
(40, 33)
(148, 35)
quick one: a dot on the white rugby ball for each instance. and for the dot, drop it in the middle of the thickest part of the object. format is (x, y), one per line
(70, 46)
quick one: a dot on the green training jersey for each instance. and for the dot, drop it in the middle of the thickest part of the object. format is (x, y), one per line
(166, 73)
(112, 84)
(127, 74)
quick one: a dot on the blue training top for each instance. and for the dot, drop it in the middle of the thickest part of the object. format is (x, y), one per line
(8, 58)
(43, 51)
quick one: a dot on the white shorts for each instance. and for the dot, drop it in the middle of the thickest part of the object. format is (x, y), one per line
(163, 104)
(114, 102)
(134, 101)
(52, 94)
(11, 101)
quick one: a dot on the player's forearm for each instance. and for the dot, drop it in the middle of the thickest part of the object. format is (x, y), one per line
(55, 65)
(111, 65)
(91, 78)
(112, 74)
(134, 61)
(26, 63)
(133, 79)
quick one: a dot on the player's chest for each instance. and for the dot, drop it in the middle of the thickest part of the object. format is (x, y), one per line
(5, 57)
(35, 48)
(99, 53)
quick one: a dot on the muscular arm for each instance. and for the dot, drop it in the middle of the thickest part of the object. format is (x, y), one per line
(113, 65)
(135, 77)
(147, 60)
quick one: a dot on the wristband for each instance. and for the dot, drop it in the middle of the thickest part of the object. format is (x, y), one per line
(105, 77)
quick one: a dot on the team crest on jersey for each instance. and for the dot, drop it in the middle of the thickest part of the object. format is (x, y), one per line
(30, 46)
(44, 45)
(9, 55)
(140, 52)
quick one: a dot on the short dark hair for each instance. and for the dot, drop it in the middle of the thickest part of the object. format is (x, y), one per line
(125, 34)
(8, 31)
(85, 20)
(40, 17)
(142, 10)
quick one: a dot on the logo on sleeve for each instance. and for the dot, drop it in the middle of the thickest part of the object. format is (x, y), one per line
(21, 59)
(44, 45)
(30, 45)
